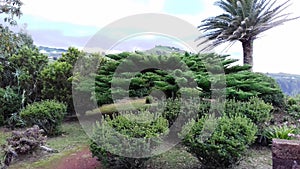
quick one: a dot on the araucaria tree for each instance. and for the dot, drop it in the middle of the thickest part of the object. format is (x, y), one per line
(243, 21)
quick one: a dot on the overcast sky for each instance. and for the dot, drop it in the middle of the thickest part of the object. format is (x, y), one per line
(64, 23)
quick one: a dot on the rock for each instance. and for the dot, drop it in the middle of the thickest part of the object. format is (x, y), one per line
(286, 154)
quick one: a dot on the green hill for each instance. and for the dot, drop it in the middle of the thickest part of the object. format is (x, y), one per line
(289, 83)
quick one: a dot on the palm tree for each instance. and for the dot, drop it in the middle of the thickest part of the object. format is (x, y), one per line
(242, 21)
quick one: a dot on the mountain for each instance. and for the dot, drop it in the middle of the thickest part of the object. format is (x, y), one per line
(164, 50)
(289, 83)
(52, 53)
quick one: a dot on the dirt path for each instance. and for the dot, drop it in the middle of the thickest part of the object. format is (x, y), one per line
(81, 159)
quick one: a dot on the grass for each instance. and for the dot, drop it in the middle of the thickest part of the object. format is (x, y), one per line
(177, 158)
(121, 106)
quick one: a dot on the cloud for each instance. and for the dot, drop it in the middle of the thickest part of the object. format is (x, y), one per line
(56, 38)
(71, 23)
(89, 12)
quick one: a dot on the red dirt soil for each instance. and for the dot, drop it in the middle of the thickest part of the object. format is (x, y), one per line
(79, 160)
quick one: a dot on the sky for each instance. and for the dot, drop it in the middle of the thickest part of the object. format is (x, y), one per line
(64, 23)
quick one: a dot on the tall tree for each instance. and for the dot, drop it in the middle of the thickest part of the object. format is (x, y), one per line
(243, 21)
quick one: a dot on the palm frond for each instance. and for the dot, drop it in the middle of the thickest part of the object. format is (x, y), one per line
(243, 20)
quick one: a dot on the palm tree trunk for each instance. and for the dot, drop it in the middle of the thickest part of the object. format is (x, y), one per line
(248, 52)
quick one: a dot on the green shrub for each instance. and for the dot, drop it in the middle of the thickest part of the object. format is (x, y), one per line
(293, 107)
(10, 102)
(227, 143)
(255, 109)
(57, 84)
(187, 108)
(48, 115)
(111, 137)
(244, 85)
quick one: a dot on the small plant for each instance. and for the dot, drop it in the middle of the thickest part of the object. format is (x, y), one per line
(149, 100)
(114, 136)
(48, 115)
(23, 142)
(280, 132)
(15, 121)
(227, 143)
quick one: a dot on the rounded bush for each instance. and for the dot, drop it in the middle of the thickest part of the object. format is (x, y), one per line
(107, 144)
(227, 143)
(48, 115)
(255, 109)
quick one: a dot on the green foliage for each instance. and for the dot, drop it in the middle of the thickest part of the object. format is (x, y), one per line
(293, 107)
(10, 102)
(111, 137)
(244, 85)
(186, 108)
(255, 109)
(15, 121)
(149, 100)
(279, 132)
(48, 115)
(26, 67)
(10, 44)
(71, 56)
(227, 143)
(58, 77)
(166, 77)
(57, 83)
(204, 69)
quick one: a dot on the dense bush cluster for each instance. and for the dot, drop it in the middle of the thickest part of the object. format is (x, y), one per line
(48, 115)
(293, 107)
(10, 103)
(255, 109)
(241, 84)
(111, 137)
(227, 143)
